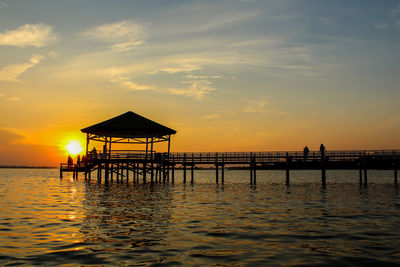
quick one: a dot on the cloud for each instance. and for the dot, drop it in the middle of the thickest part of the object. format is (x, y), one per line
(177, 68)
(10, 98)
(227, 19)
(124, 35)
(380, 25)
(14, 99)
(395, 11)
(327, 21)
(197, 89)
(259, 106)
(211, 116)
(3, 5)
(192, 76)
(116, 75)
(37, 35)
(13, 136)
(397, 24)
(12, 72)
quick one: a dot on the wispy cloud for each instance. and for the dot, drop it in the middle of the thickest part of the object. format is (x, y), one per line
(37, 35)
(14, 136)
(197, 89)
(228, 19)
(116, 75)
(2, 4)
(211, 116)
(260, 107)
(2, 96)
(13, 99)
(177, 68)
(123, 35)
(380, 25)
(327, 21)
(397, 24)
(12, 72)
(192, 76)
(395, 11)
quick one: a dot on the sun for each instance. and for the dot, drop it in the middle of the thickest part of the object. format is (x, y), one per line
(73, 147)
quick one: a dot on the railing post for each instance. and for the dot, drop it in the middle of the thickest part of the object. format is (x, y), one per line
(184, 168)
(287, 169)
(216, 168)
(251, 168)
(222, 169)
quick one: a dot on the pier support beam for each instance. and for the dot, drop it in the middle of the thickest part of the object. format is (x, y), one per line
(192, 174)
(323, 168)
(99, 173)
(223, 173)
(184, 173)
(173, 173)
(255, 174)
(287, 176)
(251, 174)
(127, 172)
(365, 176)
(216, 173)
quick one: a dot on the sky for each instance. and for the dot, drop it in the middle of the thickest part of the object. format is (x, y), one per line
(237, 75)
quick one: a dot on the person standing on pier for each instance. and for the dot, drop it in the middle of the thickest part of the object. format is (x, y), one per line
(306, 151)
(322, 150)
(70, 161)
(78, 160)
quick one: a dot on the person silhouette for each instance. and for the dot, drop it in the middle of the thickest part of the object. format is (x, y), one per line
(70, 161)
(322, 149)
(306, 151)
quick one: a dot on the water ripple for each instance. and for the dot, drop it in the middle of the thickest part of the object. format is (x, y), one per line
(48, 221)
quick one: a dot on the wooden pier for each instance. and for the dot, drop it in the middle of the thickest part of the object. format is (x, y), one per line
(161, 167)
(147, 165)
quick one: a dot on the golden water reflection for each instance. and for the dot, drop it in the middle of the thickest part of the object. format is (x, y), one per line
(48, 221)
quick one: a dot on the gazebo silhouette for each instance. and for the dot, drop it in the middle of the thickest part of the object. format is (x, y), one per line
(128, 128)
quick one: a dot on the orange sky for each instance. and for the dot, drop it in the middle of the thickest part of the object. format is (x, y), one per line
(227, 76)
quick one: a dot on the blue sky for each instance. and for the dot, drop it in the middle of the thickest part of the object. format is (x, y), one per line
(228, 75)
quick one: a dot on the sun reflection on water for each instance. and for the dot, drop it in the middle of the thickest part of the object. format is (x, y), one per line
(64, 221)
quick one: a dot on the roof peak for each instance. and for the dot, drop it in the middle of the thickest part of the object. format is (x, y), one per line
(129, 125)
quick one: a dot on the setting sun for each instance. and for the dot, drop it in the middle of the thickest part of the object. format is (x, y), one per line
(73, 147)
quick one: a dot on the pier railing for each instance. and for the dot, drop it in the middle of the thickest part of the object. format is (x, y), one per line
(246, 157)
(155, 164)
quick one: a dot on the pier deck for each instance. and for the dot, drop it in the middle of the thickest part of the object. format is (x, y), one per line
(157, 165)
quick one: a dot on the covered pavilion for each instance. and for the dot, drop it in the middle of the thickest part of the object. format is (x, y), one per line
(128, 128)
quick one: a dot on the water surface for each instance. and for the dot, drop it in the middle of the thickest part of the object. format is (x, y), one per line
(48, 221)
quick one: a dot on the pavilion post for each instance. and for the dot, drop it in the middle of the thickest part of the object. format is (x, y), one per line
(169, 145)
(151, 159)
(145, 160)
(87, 144)
(169, 151)
(109, 149)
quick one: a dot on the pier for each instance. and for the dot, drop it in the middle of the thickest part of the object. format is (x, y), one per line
(147, 165)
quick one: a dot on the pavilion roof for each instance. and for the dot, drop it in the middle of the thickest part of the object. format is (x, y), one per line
(129, 125)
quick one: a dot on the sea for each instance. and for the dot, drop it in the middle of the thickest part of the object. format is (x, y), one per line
(48, 221)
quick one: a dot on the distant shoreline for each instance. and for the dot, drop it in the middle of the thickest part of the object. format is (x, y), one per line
(26, 167)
